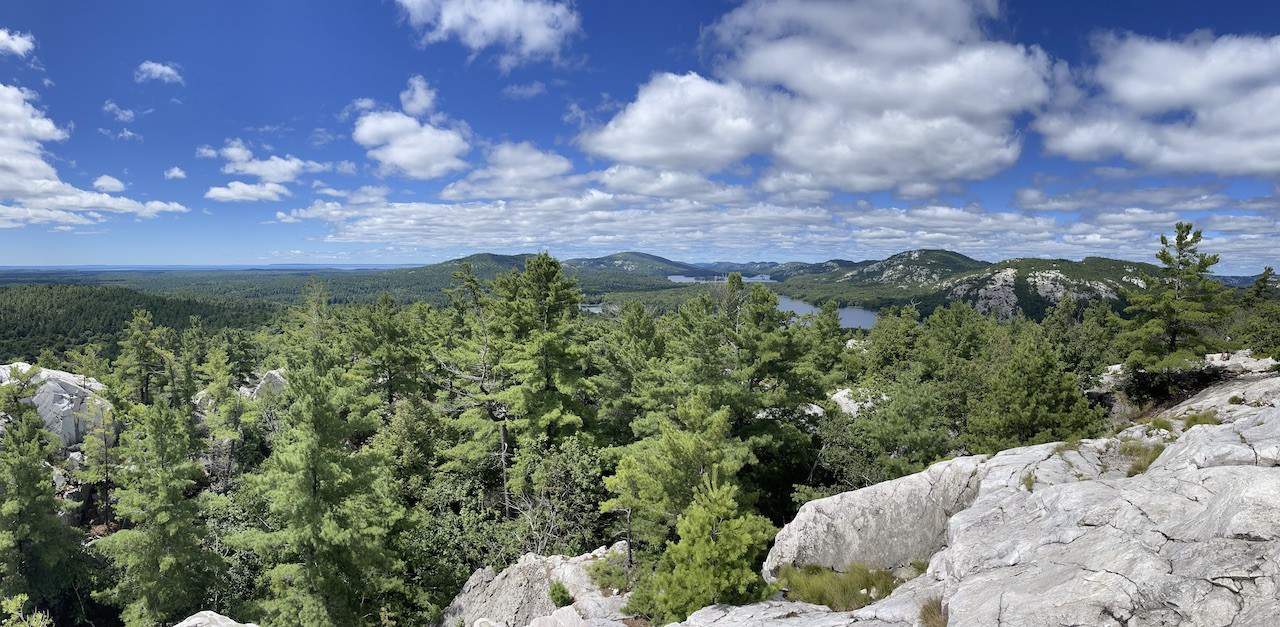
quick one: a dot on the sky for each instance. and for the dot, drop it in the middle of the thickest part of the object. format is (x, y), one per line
(413, 131)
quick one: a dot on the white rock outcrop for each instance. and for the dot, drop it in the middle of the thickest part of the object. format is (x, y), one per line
(211, 619)
(1058, 535)
(68, 403)
(520, 594)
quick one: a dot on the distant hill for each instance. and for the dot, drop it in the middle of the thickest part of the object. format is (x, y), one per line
(927, 278)
(58, 317)
(641, 264)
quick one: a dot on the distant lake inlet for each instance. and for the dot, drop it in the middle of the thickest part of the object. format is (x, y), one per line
(850, 317)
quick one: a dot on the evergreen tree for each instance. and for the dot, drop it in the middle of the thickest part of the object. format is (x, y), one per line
(656, 477)
(383, 339)
(162, 571)
(101, 458)
(625, 358)
(715, 561)
(88, 362)
(327, 552)
(1171, 315)
(1030, 398)
(143, 360)
(537, 308)
(1263, 287)
(38, 551)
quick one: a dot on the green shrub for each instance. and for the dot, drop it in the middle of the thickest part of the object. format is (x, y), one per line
(841, 592)
(1141, 455)
(1161, 424)
(610, 573)
(932, 614)
(1203, 418)
(560, 594)
(1236, 400)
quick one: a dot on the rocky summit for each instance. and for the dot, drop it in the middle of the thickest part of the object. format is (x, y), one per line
(1067, 534)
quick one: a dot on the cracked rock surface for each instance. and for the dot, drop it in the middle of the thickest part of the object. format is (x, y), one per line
(68, 403)
(519, 595)
(1193, 540)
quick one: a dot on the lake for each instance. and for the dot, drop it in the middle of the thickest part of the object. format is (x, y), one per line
(850, 317)
(680, 278)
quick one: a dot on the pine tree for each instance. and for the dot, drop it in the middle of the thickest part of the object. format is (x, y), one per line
(162, 569)
(1171, 315)
(1030, 398)
(224, 414)
(331, 502)
(537, 308)
(101, 458)
(384, 341)
(88, 363)
(715, 561)
(656, 477)
(39, 553)
(143, 360)
(1262, 287)
(625, 358)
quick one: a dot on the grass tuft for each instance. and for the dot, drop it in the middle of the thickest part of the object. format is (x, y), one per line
(1203, 418)
(841, 592)
(932, 614)
(1141, 455)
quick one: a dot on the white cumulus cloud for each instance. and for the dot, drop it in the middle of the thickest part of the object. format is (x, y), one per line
(523, 30)
(106, 183)
(175, 173)
(239, 191)
(156, 71)
(401, 144)
(15, 43)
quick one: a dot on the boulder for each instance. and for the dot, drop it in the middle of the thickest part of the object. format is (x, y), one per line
(211, 619)
(520, 594)
(1059, 535)
(884, 526)
(68, 403)
(271, 383)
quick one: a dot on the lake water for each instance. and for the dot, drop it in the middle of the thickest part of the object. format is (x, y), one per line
(850, 317)
(680, 278)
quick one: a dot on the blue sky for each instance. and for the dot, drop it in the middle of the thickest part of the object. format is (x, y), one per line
(407, 131)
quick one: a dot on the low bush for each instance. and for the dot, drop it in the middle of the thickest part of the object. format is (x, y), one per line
(1161, 424)
(841, 592)
(560, 594)
(1236, 400)
(610, 573)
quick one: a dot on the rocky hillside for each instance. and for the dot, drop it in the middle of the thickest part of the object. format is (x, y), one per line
(1067, 534)
(929, 278)
(1170, 522)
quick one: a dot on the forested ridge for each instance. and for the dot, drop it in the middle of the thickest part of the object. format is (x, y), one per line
(416, 442)
(57, 318)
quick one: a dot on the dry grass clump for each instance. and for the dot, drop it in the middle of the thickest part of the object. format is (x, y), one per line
(932, 614)
(1141, 455)
(841, 592)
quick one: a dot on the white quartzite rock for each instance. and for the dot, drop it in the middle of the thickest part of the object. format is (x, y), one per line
(1194, 540)
(68, 403)
(211, 619)
(519, 595)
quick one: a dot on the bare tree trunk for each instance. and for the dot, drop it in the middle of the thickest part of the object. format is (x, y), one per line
(502, 461)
